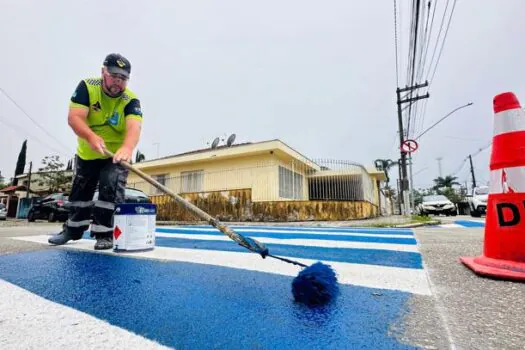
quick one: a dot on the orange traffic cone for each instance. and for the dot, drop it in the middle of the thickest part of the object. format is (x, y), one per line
(504, 242)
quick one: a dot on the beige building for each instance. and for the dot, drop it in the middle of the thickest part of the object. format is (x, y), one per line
(266, 180)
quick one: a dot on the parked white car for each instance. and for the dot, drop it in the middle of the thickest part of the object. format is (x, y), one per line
(3, 212)
(477, 201)
(437, 204)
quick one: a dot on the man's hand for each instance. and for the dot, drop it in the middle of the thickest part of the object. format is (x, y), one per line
(123, 153)
(97, 143)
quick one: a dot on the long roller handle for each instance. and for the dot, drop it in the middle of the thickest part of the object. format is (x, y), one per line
(246, 242)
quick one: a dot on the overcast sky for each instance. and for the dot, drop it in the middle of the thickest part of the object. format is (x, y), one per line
(319, 75)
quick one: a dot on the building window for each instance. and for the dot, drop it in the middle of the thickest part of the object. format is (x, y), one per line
(290, 184)
(192, 181)
(162, 179)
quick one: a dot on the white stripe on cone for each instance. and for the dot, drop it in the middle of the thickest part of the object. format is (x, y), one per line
(509, 121)
(508, 180)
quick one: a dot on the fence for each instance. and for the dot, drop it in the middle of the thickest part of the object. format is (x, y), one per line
(277, 180)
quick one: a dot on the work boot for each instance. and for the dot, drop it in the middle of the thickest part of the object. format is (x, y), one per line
(104, 243)
(63, 237)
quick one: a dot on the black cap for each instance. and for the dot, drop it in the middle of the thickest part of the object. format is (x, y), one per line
(116, 63)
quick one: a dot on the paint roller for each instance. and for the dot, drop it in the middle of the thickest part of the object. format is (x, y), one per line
(314, 285)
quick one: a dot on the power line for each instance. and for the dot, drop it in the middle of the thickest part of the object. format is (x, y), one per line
(444, 39)
(422, 115)
(395, 41)
(424, 39)
(437, 39)
(32, 138)
(416, 25)
(27, 115)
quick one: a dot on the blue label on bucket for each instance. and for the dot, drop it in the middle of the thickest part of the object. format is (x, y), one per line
(135, 209)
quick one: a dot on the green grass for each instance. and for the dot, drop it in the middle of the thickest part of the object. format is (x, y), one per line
(414, 219)
(419, 218)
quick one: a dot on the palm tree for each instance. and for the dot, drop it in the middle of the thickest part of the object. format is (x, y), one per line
(447, 182)
(385, 165)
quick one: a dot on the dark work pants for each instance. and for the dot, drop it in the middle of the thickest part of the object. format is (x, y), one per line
(111, 179)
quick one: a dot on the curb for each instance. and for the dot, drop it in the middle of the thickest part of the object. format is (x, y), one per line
(419, 224)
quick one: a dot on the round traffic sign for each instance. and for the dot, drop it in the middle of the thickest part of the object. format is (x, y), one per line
(409, 146)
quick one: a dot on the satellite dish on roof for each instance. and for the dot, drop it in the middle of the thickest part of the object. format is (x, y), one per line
(230, 140)
(215, 143)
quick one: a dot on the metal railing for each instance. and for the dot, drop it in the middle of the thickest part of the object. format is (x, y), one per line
(276, 180)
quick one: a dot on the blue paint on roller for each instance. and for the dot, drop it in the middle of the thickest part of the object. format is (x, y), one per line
(196, 306)
(328, 237)
(315, 285)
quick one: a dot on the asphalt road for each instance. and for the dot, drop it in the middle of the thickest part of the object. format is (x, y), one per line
(464, 311)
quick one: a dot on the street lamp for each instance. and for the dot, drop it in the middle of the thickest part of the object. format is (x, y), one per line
(417, 138)
(439, 121)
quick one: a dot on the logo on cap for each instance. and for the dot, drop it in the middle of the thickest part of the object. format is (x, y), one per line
(121, 63)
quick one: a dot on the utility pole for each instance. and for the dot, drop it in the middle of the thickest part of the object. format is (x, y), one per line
(411, 182)
(29, 179)
(472, 172)
(439, 166)
(403, 162)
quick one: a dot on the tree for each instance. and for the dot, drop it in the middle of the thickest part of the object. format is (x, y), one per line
(20, 163)
(2, 179)
(139, 157)
(445, 182)
(385, 165)
(453, 195)
(53, 175)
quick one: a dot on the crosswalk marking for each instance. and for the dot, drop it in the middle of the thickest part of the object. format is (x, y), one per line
(357, 261)
(30, 321)
(305, 242)
(395, 278)
(462, 224)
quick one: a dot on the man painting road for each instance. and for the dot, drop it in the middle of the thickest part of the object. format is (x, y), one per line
(103, 113)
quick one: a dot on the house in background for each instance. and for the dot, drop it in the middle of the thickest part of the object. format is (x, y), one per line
(19, 198)
(38, 185)
(262, 181)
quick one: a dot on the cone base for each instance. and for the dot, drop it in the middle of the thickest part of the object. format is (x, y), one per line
(501, 269)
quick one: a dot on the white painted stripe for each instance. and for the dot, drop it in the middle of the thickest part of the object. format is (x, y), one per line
(30, 321)
(372, 276)
(303, 242)
(451, 226)
(509, 121)
(350, 234)
(515, 180)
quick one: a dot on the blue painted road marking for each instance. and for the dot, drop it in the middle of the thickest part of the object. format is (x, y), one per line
(216, 299)
(469, 223)
(350, 238)
(462, 224)
(358, 256)
(190, 306)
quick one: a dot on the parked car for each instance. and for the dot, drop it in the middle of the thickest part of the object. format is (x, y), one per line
(437, 204)
(3, 212)
(55, 206)
(477, 200)
(131, 195)
(50, 208)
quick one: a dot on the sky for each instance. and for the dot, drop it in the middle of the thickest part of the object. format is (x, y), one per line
(320, 76)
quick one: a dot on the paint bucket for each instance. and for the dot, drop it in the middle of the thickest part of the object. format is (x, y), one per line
(134, 227)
